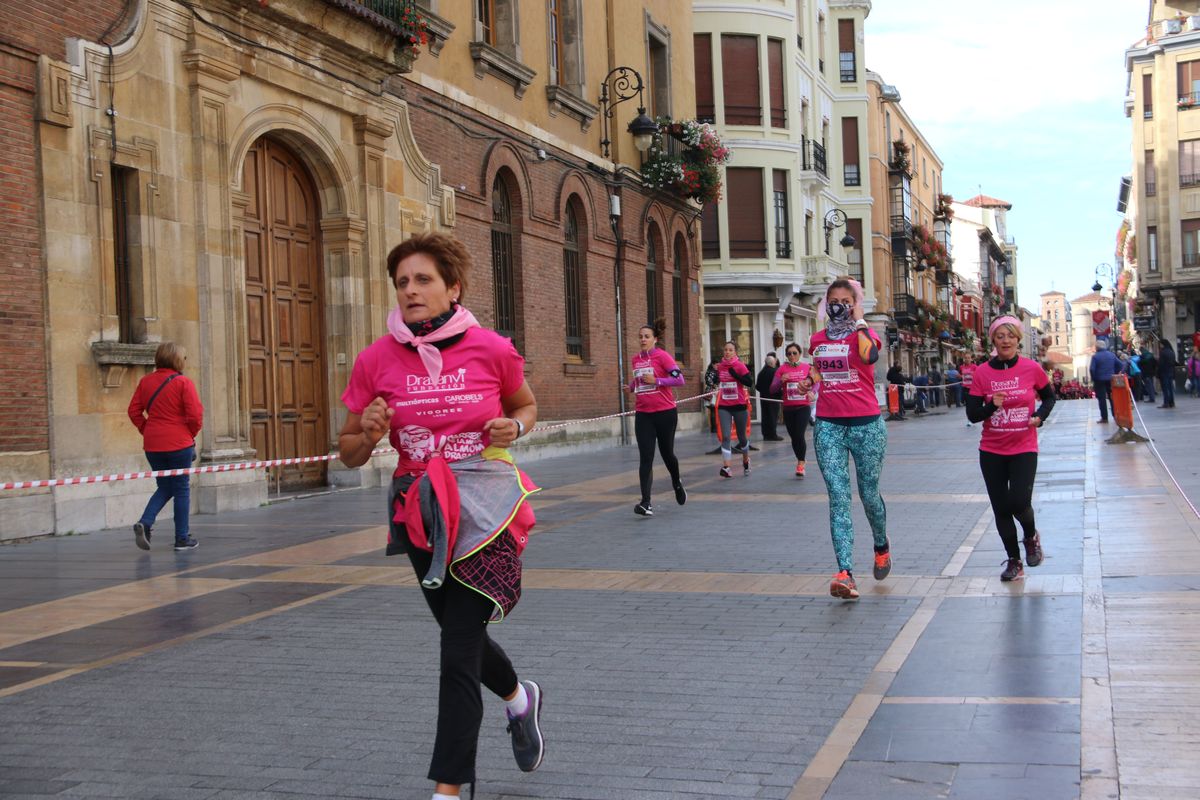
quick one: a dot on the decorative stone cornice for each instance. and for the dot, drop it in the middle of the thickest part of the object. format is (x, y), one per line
(489, 59)
(564, 100)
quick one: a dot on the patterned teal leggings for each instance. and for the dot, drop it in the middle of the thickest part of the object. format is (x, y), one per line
(835, 444)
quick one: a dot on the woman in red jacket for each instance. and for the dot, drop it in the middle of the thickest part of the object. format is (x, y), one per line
(166, 410)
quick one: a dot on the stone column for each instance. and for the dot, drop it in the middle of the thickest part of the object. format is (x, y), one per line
(878, 323)
(220, 280)
(1170, 325)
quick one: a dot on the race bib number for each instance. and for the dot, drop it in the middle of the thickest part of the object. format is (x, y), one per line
(833, 362)
(968, 378)
(793, 393)
(638, 375)
(729, 390)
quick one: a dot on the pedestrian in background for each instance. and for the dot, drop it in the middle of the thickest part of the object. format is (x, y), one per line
(1149, 367)
(166, 410)
(1166, 373)
(1003, 396)
(935, 382)
(655, 419)
(474, 402)
(1193, 374)
(768, 405)
(790, 379)
(711, 378)
(1102, 368)
(953, 386)
(895, 377)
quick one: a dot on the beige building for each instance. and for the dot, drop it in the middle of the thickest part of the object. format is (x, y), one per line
(1083, 338)
(1163, 104)
(785, 85)
(1056, 324)
(915, 294)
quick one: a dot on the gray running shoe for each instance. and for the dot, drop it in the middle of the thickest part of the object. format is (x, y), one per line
(527, 743)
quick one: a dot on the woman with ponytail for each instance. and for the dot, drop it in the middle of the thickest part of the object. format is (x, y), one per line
(655, 374)
(848, 424)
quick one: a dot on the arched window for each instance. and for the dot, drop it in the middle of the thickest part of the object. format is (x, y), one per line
(678, 310)
(652, 304)
(504, 279)
(573, 284)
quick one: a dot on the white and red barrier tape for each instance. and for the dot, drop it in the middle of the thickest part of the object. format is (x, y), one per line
(276, 462)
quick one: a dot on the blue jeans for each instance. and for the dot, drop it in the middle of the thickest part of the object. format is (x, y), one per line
(1148, 388)
(177, 487)
(1168, 389)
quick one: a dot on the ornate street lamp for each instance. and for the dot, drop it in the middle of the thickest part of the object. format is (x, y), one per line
(626, 85)
(836, 218)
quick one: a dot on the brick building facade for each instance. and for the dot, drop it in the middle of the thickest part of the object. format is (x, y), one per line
(242, 198)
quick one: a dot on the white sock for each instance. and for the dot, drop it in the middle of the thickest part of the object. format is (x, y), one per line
(440, 796)
(520, 702)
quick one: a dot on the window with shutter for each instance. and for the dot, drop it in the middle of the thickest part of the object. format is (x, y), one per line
(573, 277)
(1189, 82)
(775, 79)
(850, 163)
(847, 66)
(1152, 247)
(854, 255)
(705, 103)
(747, 231)
(1189, 162)
(741, 86)
(1191, 242)
(783, 227)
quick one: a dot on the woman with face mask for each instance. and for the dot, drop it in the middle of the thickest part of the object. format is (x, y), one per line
(848, 424)
(733, 414)
(1002, 397)
(790, 379)
(655, 418)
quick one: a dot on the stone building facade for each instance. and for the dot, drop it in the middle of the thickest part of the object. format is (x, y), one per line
(230, 175)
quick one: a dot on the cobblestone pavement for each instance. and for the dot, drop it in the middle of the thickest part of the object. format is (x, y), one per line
(694, 654)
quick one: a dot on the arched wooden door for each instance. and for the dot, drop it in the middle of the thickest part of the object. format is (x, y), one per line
(284, 305)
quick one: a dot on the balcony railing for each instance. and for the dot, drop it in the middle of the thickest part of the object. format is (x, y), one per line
(783, 249)
(1151, 188)
(1188, 100)
(904, 307)
(1191, 259)
(393, 16)
(820, 270)
(812, 157)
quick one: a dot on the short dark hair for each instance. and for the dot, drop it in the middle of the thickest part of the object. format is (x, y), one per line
(451, 256)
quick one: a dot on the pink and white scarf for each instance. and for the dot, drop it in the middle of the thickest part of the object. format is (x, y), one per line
(431, 357)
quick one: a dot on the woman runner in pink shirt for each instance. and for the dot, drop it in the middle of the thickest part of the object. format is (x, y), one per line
(848, 424)
(1003, 394)
(450, 396)
(791, 378)
(654, 375)
(733, 413)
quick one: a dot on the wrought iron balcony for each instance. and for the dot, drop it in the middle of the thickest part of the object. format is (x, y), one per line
(812, 158)
(904, 307)
(403, 19)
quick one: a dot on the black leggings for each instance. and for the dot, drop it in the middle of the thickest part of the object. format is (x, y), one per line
(650, 427)
(468, 657)
(1009, 481)
(796, 419)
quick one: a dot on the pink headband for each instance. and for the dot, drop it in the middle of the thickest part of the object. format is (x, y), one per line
(1007, 319)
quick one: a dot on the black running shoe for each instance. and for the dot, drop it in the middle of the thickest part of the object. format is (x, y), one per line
(1012, 570)
(141, 535)
(680, 494)
(527, 742)
(1033, 549)
(185, 544)
(725, 473)
(745, 467)
(644, 509)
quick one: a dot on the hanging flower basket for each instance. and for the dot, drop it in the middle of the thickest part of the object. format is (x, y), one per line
(694, 170)
(945, 207)
(900, 158)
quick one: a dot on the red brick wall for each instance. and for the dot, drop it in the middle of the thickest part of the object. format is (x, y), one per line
(28, 29)
(540, 191)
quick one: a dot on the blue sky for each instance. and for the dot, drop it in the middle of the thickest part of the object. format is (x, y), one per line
(1024, 100)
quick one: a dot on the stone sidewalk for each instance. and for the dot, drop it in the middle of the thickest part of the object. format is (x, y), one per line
(695, 654)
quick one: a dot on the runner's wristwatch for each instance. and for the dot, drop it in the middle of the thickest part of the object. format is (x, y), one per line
(520, 427)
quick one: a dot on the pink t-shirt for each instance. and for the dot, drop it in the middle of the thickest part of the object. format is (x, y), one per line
(1007, 431)
(788, 378)
(659, 396)
(968, 375)
(731, 393)
(847, 382)
(448, 416)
